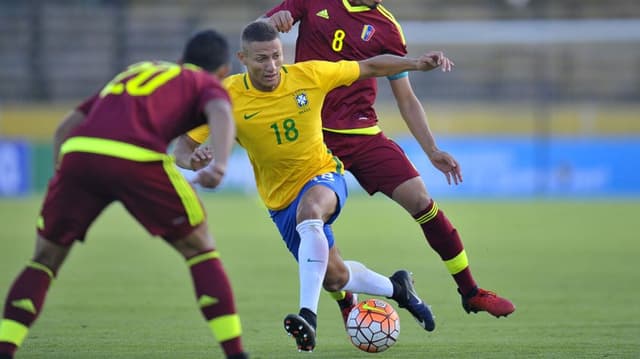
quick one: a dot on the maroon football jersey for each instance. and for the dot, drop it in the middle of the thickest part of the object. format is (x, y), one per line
(336, 30)
(150, 104)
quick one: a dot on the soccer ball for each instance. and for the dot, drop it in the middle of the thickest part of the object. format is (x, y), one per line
(373, 326)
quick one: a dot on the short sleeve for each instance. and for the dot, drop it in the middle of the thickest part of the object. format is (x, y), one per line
(199, 134)
(297, 9)
(335, 74)
(86, 106)
(394, 40)
(211, 89)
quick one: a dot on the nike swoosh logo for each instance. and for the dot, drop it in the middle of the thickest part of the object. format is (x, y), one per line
(249, 116)
(314, 260)
(366, 306)
(413, 293)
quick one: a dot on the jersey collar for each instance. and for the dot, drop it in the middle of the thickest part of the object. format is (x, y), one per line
(354, 8)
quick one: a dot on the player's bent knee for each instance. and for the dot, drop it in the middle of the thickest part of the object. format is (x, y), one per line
(412, 195)
(50, 254)
(194, 243)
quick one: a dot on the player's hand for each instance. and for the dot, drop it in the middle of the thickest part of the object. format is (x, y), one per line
(434, 59)
(447, 165)
(282, 20)
(200, 157)
(209, 176)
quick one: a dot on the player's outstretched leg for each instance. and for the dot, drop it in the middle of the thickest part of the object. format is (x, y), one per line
(444, 239)
(405, 294)
(216, 302)
(480, 300)
(346, 301)
(303, 329)
(23, 305)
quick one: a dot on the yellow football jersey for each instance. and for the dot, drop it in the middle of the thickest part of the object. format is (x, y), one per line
(282, 129)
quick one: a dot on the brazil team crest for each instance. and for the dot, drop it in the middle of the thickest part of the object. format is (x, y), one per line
(302, 101)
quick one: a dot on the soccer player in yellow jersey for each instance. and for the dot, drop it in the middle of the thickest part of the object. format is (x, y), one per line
(277, 114)
(334, 30)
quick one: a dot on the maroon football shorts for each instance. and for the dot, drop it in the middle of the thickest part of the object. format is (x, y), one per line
(85, 184)
(377, 162)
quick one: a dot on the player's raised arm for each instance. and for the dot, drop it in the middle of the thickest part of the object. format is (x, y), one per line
(387, 65)
(223, 133)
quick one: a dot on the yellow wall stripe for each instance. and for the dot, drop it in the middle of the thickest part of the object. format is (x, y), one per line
(13, 332)
(202, 257)
(458, 263)
(187, 195)
(111, 148)
(225, 327)
(433, 212)
(41, 267)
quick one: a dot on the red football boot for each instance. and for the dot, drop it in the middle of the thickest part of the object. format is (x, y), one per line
(480, 300)
(346, 304)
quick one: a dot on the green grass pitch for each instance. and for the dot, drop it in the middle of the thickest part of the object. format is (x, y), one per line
(571, 268)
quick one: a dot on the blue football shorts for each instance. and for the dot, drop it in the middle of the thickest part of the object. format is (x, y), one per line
(285, 219)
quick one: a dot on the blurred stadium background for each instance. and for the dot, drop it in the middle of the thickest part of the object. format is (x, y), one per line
(545, 99)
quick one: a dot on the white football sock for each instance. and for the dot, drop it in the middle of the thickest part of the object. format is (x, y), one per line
(313, 257)
(364, 280)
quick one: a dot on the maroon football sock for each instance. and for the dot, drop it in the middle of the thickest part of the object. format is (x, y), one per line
(444, 239)
(25, 300)
(215, 297)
